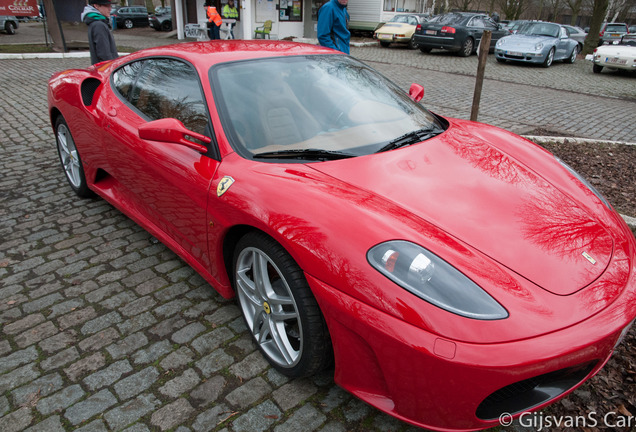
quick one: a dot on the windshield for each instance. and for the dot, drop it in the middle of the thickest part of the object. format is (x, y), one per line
(325, 103)
(540, 29)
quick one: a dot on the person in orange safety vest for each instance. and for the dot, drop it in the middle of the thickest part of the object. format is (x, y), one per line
(214, 22)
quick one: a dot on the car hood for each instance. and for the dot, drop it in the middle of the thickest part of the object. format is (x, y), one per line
(474, 191)
(523, 41)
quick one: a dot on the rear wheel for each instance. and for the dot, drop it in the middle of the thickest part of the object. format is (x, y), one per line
(70, 159)
(424, 49)
(572, 57)
(128, 24)
(467, 47)
(279, 308)
(412, 43)
(549, 59)
(597, 68)
(385, 44)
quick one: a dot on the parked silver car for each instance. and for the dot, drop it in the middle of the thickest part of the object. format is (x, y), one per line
(611, 33)
(9, 24)
(537, 42)
(576, 33)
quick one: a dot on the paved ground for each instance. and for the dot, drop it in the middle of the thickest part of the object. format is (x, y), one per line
(103, 328)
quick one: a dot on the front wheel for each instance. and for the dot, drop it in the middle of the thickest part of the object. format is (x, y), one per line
(467, 48)
(572, 57)
(166, 26)
(70, 159)
(548, 59)
(279, 308)
(128, 24)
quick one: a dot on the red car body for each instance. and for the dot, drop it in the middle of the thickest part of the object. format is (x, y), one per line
(491, 204)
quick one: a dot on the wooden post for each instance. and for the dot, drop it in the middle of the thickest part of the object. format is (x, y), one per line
(484, 47)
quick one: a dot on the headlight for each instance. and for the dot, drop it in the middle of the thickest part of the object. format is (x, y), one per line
(539, 46)
(431, 278)
(500, 42)
(585, 182)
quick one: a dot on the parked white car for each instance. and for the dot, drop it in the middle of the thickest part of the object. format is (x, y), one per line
(618, 56)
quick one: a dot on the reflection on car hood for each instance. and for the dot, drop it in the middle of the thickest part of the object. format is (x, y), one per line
(393, 27)
(472, 190)
(522, 41)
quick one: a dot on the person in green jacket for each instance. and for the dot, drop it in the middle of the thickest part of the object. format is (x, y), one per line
(229, 12)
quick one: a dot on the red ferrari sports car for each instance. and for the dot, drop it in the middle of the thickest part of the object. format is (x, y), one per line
(451, 270)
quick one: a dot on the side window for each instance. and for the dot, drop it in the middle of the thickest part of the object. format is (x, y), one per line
(476, 22)
(124, 78)
(168, 88)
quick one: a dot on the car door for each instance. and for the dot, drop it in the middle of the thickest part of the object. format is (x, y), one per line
(166, 184)
(475, 28)
(564, 45)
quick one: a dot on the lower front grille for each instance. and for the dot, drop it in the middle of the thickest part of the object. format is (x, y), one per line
(529, 393)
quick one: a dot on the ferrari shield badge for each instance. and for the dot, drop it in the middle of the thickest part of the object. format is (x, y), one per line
(224, 185)
(588, 257)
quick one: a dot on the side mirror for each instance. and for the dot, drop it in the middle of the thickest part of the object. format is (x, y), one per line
(171, 130)
(416, 92)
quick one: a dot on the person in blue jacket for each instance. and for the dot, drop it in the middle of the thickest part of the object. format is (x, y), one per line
(333, 20)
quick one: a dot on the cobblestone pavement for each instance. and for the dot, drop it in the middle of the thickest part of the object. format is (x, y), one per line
(103, 328)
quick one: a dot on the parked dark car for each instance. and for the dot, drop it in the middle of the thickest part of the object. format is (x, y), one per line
(457, 31)
(161, 19)
(131, 16)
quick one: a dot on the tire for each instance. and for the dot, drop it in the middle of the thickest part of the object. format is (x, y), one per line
(549, 59)
(425, 50)
(467, 47)
(128, 24)
(412, 43)
(572, 57)
(597, 68)
(385, 44)
(279, 308)
(166, 26)
(70, 159)
(10, 27)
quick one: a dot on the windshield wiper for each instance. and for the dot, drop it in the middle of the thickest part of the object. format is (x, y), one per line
(412, 137)
(306, 154)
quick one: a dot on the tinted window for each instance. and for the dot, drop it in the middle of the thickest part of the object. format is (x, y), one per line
(616, 28)
(164, 88)
(450, 19)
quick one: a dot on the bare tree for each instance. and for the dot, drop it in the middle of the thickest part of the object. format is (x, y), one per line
(599, 10)
(575, 6)
(512, 9)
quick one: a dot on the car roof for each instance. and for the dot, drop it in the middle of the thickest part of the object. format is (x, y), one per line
(209, 53)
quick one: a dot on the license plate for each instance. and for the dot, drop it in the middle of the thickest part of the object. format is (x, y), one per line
(431, 32)
(615, 60)
(615, 34)
(514, 53)
(385, 36)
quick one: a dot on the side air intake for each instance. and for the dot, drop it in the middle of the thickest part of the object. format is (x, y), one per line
(89, 87)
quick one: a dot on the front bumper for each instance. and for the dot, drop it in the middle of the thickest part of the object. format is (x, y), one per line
(441, 384)
(526, 57)
(392, 38)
